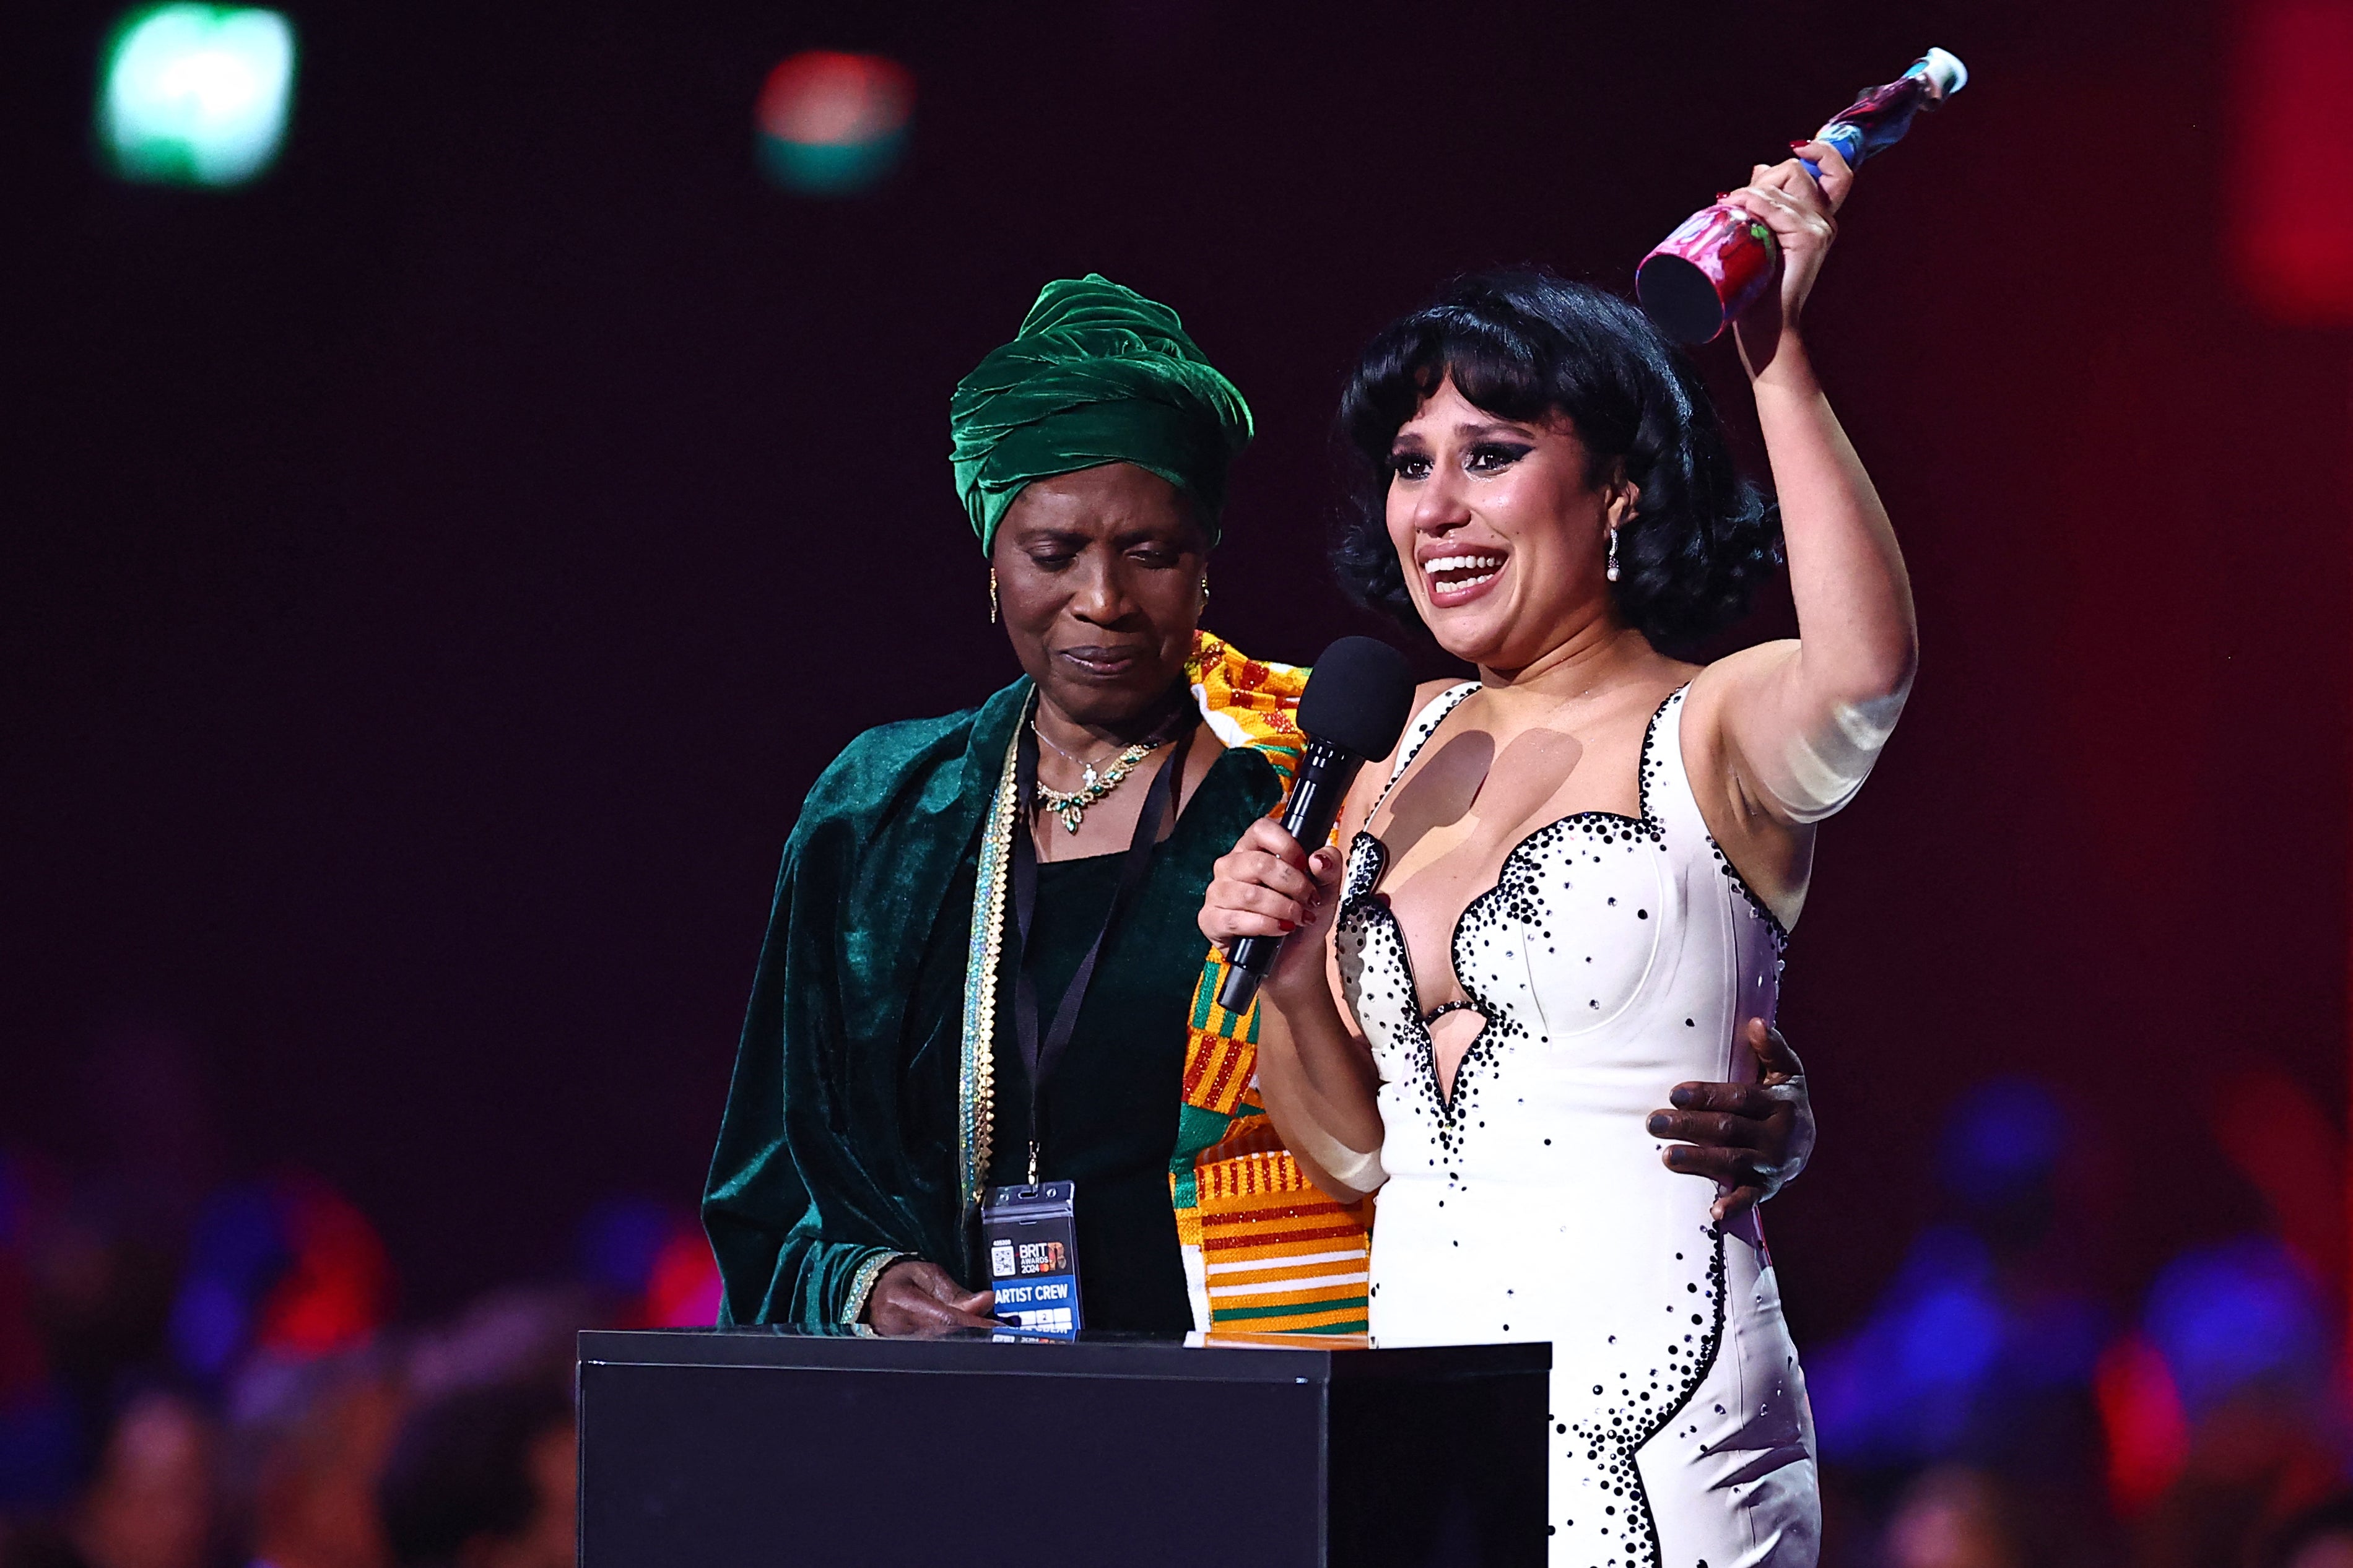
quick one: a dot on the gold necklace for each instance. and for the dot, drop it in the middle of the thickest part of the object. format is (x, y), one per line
(1071, 805)
(1080, 764)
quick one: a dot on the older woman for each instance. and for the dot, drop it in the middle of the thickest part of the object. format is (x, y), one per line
(880, 1086)
(1573, 882)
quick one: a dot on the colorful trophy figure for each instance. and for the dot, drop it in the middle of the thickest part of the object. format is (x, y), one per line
(1720, 259)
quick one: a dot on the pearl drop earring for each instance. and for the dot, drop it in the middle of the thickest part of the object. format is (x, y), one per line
(1611, 571)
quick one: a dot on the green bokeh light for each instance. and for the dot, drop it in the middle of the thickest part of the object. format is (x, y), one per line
(829, 168)
(197, 94)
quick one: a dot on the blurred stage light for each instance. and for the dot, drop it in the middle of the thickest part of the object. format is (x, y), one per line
(2239, 1318)
(831, 123)
(2140, 1411)
(287, 1266)
(685, 1289)
(2292, 230)
(654, 1259)
(2003, 1139)
(196, 95)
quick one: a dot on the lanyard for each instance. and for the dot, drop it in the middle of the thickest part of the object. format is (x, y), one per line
(1039, 1056)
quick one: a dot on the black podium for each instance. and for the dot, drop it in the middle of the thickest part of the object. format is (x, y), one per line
(735, 1447)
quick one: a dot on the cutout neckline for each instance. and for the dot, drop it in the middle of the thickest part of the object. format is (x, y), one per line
(1646, 823)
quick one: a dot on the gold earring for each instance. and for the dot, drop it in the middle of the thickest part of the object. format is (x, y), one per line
(992, 596)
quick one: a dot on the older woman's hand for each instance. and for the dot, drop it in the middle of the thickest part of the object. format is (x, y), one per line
(1750, 1138)
(919, 1299)
(1268, 886)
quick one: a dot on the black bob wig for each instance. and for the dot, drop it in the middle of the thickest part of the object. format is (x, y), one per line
(1525, 344)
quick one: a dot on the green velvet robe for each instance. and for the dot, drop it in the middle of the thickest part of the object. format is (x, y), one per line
(819, 1178)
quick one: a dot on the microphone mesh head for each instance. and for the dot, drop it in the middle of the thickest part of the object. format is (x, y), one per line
(1358, 696)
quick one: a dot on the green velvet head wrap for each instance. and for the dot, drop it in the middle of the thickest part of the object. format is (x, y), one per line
(1099, 374)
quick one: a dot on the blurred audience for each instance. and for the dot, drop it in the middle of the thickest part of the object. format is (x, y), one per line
(150, 1504)
(485, 1477)
(1998, 1409)
(308, 1443)
(213, 1379)
(507, 1336)
(2242, 1332)
(1952, 1517)
(2320, 1537)
(199, 1374)
(1961, 1413)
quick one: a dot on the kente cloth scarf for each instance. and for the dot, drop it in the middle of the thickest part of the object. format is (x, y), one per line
(1097, 374)
(809, 1200)
(1264, 1249)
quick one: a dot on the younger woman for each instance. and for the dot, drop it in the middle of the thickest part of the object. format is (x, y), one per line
(1571, 885)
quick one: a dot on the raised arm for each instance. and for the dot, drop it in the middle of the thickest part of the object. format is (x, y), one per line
(1802, 722)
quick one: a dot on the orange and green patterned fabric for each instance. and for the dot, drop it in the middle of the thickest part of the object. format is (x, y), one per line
(1264, 1249)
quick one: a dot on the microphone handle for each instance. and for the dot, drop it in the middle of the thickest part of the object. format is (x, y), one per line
(1325, 774)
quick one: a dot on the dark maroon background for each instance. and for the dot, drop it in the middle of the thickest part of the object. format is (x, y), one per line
(430, 579)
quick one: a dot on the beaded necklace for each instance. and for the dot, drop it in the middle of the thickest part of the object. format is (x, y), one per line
(1071, 805)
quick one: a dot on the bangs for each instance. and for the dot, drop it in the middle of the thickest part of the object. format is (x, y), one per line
(1498, 371)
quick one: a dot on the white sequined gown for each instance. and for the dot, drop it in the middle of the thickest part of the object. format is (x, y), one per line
(1615, 958)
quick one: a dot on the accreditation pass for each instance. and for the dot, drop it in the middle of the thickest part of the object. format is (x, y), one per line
(1033, 1255)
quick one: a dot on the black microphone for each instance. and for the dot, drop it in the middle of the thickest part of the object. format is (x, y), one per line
(1354, 706)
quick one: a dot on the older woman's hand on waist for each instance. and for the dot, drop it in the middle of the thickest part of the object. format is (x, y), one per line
(1751, 1139)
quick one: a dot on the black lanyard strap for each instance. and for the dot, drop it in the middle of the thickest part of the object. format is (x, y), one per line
(1039, 1056)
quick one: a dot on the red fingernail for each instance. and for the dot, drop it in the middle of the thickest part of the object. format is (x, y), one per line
(1800, 146)
(1720, 194)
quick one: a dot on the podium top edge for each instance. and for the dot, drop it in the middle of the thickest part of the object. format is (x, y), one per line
(1259, 1357)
